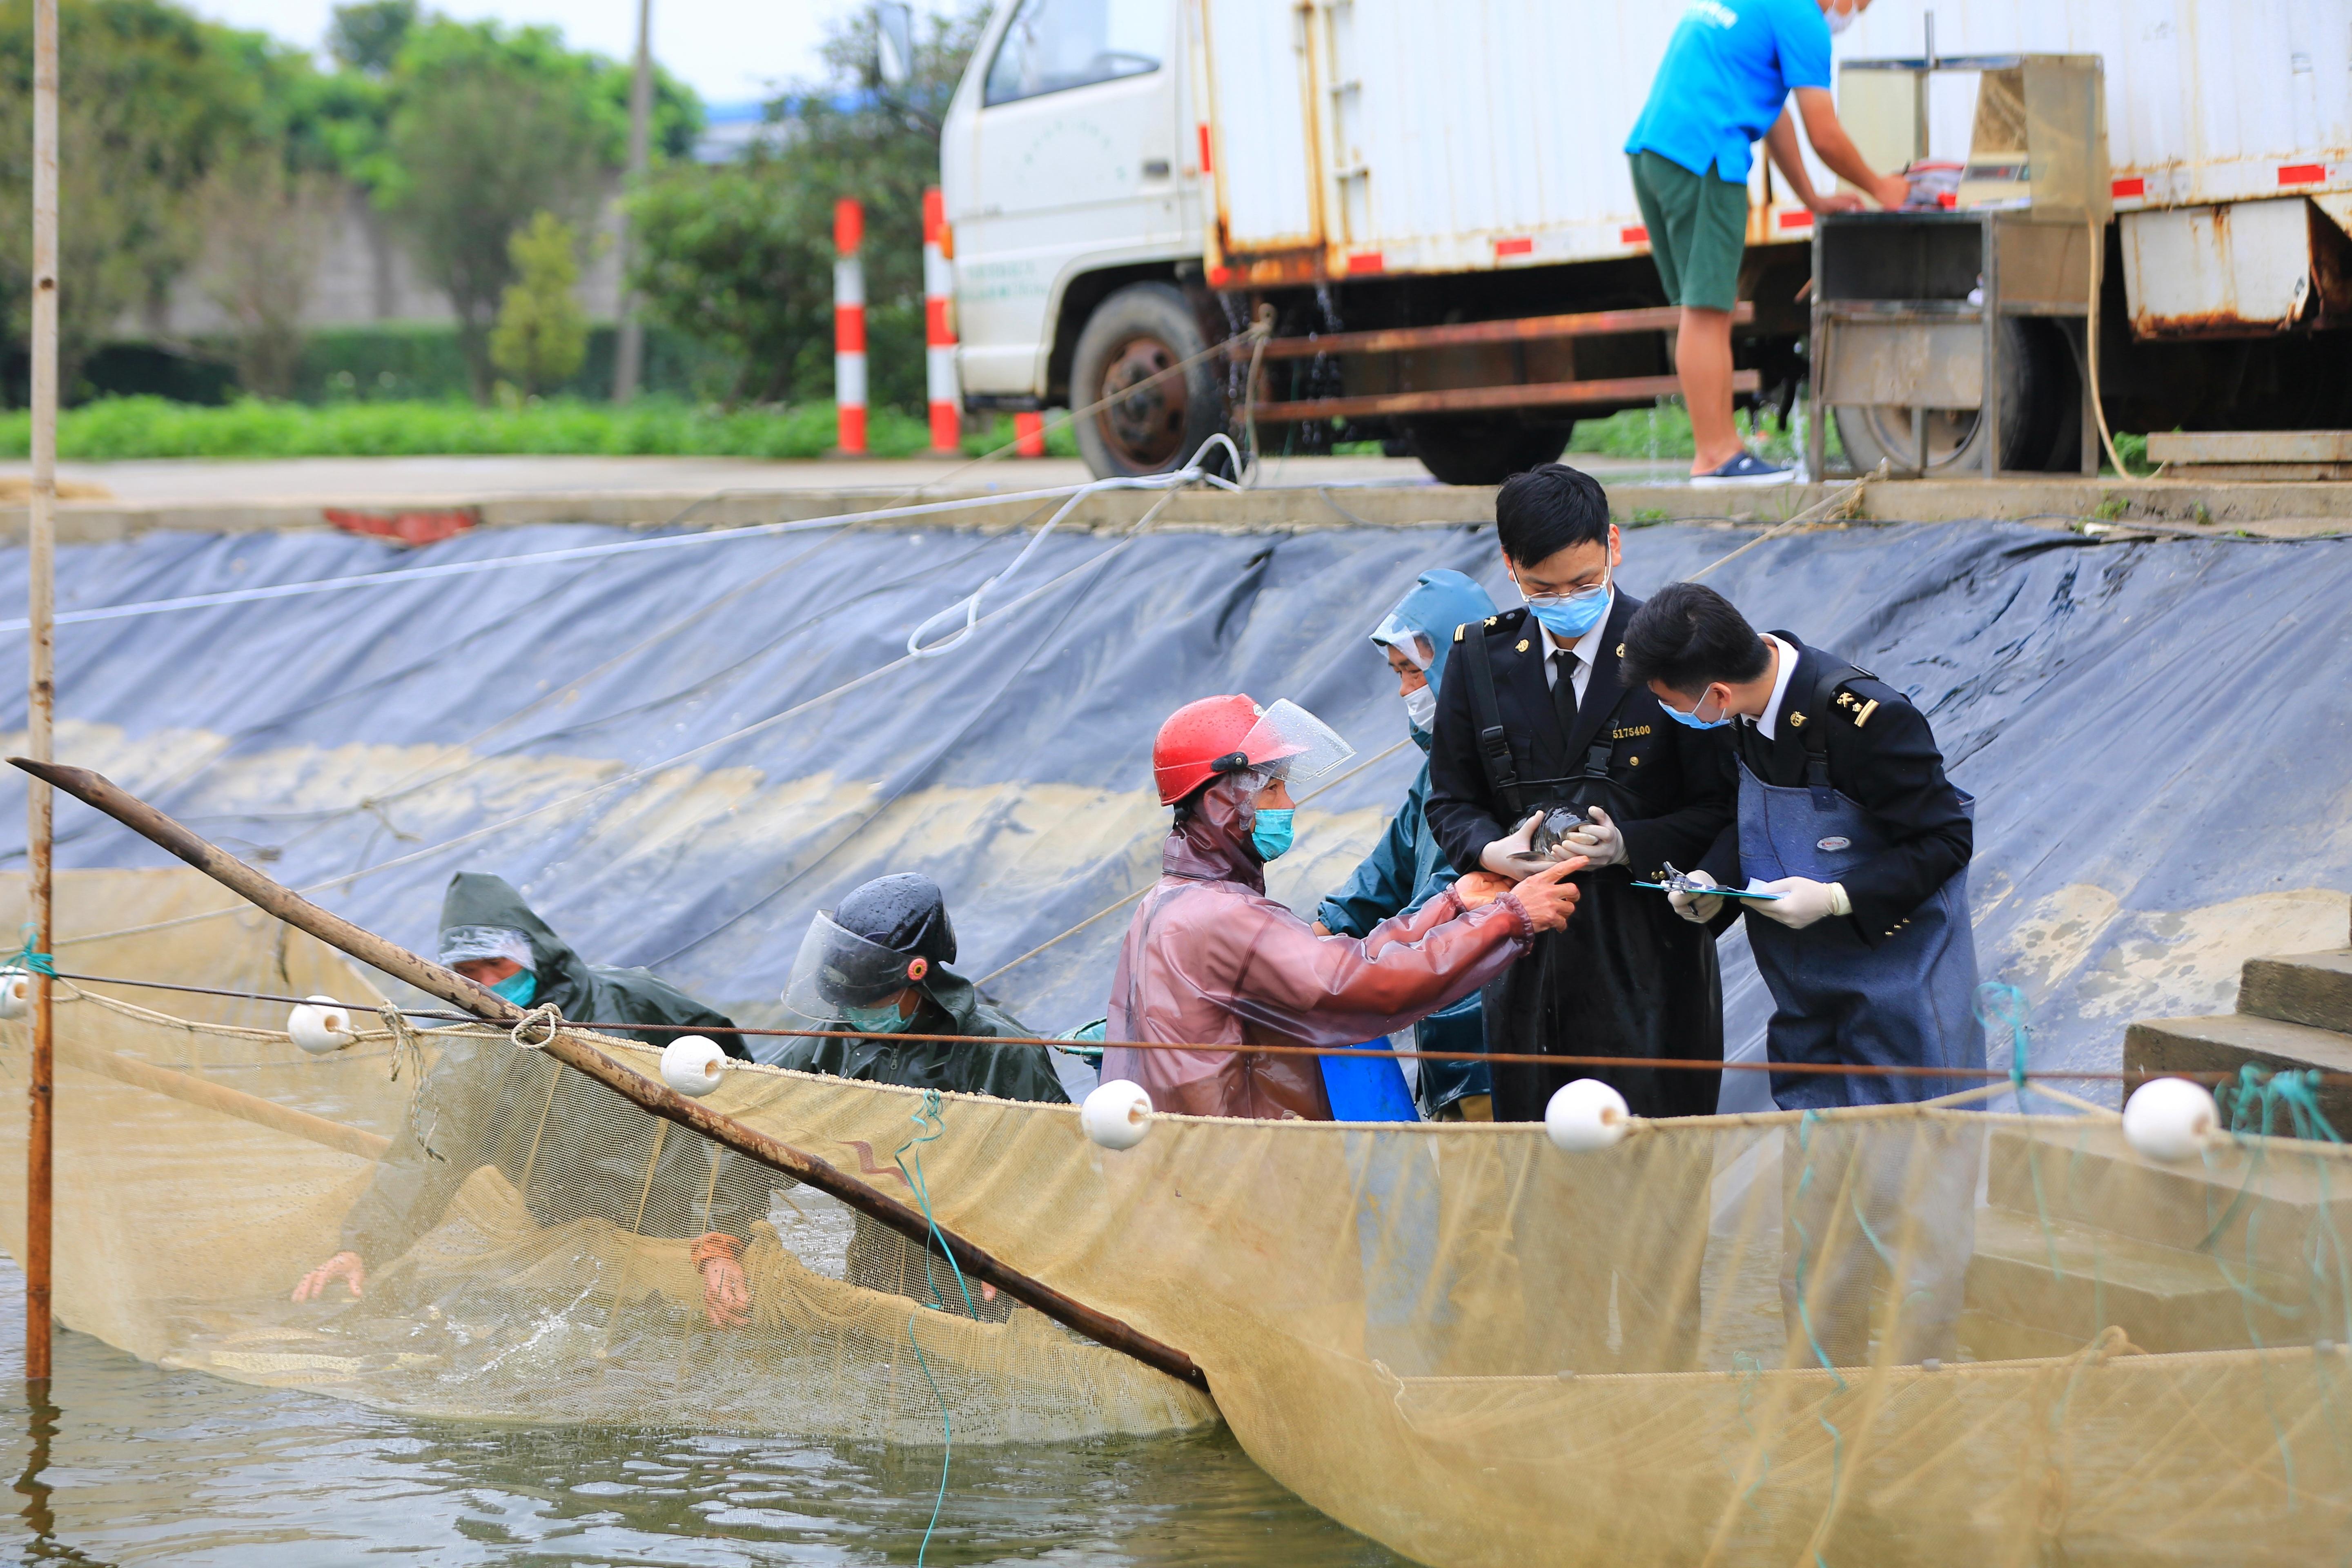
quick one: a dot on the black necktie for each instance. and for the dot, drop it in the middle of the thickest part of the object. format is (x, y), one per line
(1563, 692)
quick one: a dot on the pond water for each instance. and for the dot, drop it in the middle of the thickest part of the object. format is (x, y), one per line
(127, 1463)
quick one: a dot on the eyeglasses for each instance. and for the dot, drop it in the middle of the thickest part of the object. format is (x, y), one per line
(1583, 596)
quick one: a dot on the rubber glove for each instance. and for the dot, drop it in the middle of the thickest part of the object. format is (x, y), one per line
(1598, 841)
(1802, 902)
(1698, 908)
(1516, 855)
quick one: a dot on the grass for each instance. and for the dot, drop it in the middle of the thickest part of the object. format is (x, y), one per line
(118, 429)
(1662, 434)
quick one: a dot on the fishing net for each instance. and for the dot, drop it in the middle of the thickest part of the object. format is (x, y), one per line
(1892, 1335)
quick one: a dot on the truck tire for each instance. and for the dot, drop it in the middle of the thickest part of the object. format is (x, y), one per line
(2041, 421)
(1484, 451)
(1147, 426)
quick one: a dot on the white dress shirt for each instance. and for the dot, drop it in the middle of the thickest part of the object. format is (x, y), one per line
(1587, 649)
(1779, 685)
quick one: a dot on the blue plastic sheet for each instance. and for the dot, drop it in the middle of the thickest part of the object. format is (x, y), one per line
(2156, 732)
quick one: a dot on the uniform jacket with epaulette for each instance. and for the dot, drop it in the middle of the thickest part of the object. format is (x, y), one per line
(1682, 776)
(1883, 757)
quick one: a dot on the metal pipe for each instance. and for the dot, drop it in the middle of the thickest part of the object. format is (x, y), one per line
(41, 680)
(97, 791)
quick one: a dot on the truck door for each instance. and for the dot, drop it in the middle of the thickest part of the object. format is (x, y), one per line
(1073, 161)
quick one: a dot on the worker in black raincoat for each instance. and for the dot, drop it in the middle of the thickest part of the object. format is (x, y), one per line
(571, 1147)
(879, 964)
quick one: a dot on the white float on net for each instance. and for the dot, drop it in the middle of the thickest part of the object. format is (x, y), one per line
(2171, 1119)
(691, 1065)
(15, 993)
(1586, 1115)
(1117, 1114)
(322, 1025)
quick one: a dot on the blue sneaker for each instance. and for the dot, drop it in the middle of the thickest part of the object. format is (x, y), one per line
(1746, 469)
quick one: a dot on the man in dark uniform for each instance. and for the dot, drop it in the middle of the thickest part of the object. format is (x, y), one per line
(1533, 715)
(1563, 728)
(1846, 815)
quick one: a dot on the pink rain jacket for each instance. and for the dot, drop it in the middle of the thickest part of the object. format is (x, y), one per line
(1209, 958)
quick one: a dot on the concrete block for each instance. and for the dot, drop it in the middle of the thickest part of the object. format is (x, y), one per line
(2060, 1282)
(2313, 989)
(2225, 1042)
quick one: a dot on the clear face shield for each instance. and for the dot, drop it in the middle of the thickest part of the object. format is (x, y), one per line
(842, 975)
(1289, 742)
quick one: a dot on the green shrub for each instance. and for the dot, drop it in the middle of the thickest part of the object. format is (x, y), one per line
(120, 428)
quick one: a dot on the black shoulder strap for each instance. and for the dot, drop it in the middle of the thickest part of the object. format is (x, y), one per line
(1596, 755)
(1832, 674)
(1494, 743)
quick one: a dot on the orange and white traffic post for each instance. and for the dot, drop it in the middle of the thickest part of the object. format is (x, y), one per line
(849, 324)
(939, 327)
(1029, 435)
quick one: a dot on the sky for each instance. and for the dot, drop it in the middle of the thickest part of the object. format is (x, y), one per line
(726, 50)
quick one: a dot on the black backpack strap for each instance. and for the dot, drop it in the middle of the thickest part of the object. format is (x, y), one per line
(1822, 689)
(1494, 742)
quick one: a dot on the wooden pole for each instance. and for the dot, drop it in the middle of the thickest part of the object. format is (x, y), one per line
(95, 790)
(629, 345)
(41, 683)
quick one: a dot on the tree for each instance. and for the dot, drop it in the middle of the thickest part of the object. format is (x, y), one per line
(740, 257)
(366, 37)
(488, 126)
(151, 101)
(542, 333)
(266, 226)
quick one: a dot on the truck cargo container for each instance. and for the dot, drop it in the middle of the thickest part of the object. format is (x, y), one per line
(1433, 204)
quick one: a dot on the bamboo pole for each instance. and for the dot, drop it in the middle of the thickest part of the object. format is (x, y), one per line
(95, 790)
(41, 678)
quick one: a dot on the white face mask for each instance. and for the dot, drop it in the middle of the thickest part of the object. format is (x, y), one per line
(1421, 707)
(1839, 21)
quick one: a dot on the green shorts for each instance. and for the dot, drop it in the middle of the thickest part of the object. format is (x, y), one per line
(1699, 231)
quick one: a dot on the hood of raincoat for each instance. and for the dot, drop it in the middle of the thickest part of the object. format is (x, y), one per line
(1211, 842)
(974, 1065)
(1440, 601)
(588, 992)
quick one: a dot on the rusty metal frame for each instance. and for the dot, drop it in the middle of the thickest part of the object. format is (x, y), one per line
(1480, 399)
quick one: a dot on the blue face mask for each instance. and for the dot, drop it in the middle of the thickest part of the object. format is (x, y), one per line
(883, 1020)
(518, 987)
(1567, 617)
(1691, 720)
(1270, 834)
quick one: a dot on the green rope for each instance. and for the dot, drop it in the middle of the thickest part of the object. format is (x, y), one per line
(1999, 1005)
(927, 1117)
(28, 960)
(946, 1423)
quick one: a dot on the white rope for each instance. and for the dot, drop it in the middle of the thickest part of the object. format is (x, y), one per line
(969, 605)
(540, 558)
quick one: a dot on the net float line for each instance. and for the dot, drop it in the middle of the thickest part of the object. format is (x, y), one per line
(95, 790)
(1526, 1059)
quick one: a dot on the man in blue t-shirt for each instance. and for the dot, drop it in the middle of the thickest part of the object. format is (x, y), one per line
(1724, 85)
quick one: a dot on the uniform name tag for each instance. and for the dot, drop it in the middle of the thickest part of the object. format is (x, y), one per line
(1835, 842)
(1635, 734)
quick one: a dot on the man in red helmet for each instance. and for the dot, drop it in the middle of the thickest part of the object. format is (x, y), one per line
(1209, 960)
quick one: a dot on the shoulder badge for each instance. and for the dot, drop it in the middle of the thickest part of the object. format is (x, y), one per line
(1492, 619)
(1855, 708)
(1460, 629)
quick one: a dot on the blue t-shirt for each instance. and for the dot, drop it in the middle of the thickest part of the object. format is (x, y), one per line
(1729, 67)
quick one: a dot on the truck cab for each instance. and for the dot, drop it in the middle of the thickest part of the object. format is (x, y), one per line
(1069, 181)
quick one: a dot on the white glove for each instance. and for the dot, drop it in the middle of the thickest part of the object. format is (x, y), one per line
(1516, 855)
(1598, 841)
(1801, 902)
(1698, 908)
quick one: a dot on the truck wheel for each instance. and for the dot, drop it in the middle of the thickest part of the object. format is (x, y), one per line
(1147, 426)
(1484, 451)
(2041, 419)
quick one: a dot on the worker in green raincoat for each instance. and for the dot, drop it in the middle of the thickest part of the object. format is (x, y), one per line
(879, 966)
(573, 1148)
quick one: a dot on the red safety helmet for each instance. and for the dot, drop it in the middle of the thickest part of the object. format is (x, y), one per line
(1225, 734)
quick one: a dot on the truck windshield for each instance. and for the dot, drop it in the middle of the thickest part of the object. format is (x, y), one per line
(1054, 44)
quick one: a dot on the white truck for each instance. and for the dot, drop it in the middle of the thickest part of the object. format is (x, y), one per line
(1431, 199)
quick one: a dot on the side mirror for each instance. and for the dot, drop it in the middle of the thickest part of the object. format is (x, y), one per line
(894, 52)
